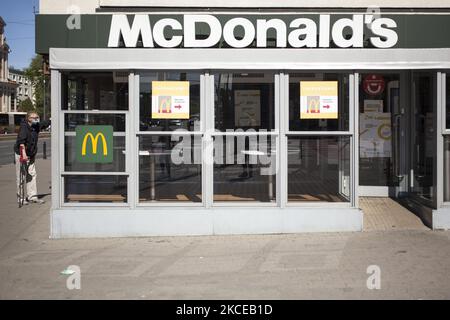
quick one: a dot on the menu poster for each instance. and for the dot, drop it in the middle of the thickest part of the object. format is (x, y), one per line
(318, 99)
(247, 104)
(373, 106)
(375, 135)
(170, 99)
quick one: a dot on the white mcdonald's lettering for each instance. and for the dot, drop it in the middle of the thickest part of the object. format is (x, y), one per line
(302, 32)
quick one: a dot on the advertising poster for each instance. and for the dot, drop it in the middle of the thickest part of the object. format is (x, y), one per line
(247, 104)
(170, 99)
(318, 99)
(375, 135)
(373, 106)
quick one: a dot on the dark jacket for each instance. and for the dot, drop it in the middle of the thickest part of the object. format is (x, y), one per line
(28, 135)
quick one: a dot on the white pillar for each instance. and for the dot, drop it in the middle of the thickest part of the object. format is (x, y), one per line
(9, 101)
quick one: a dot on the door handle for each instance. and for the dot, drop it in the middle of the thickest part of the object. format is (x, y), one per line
(419, 165)
(397, 142)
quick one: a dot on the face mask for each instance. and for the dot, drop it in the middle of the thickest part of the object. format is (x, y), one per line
(34, 122)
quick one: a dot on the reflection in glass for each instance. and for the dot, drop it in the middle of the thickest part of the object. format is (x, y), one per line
(298, 124)
(245, 168)
(100, 188)
(319, 169)
(147, 123)
(71, 163)
(377, 109)
(244, 100)
(72, 120)
(170, 168)
(423, 158)
(95, 91)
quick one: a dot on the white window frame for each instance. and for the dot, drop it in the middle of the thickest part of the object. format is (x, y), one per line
(61, 146)
(354, 143)
(275, 132)
(443, 132)
(137, 133)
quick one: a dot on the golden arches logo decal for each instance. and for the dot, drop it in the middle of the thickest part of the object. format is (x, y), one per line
(94, 144)
(94, 141)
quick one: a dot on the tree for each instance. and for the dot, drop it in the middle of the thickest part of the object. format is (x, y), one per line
(35, 73)
(26, 105)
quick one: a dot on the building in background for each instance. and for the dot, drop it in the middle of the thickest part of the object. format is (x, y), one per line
(7, 87)
(24, 90)
(9, 117)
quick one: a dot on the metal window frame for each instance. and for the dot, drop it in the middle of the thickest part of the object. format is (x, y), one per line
(61, 173)
(442, 133)
(353, 78)
(443, 100)
(138, 74)
(213, 133)
(55, 79)
(281, 132)
(137, 134)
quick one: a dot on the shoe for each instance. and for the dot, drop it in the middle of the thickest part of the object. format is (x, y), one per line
(24, 201)
(36, 200)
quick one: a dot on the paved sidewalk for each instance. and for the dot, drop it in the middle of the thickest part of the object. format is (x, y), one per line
(383, 214)
(415, 264)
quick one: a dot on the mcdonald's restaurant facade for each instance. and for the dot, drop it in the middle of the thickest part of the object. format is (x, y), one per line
(216, 119)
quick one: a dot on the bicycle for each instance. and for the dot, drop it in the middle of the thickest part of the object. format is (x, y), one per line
(22, 180)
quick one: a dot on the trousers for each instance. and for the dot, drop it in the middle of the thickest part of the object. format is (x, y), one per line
(31, 188)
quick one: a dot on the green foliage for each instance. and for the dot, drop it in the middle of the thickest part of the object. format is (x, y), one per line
(26, 105)
(35, 73)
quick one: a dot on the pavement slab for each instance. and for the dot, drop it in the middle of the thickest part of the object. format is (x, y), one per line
(413, 263)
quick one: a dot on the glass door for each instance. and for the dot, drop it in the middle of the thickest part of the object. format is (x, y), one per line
(418, 149)
(380, 133)
(423, 139)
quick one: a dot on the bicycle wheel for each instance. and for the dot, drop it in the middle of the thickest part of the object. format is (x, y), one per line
(23, 177)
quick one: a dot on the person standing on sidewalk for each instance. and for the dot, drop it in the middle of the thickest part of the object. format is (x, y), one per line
(27, 140)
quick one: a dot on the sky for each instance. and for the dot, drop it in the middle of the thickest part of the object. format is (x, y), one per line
(19, 30)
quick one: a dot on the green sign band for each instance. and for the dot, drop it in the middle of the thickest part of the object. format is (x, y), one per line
(421, 30)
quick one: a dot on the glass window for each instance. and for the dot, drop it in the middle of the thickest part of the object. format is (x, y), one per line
(170, 168)
(318, 112)
(72, 120)
(244, 100)
(95, 91)
(117, 165)
(319, 169)
(169, 115)
(379, 102)
(95, 188)
(424, 137)
(245, 168)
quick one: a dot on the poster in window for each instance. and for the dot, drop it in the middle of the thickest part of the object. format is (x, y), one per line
(170, 99)
(375, 135)
(247, 104)
(318, 99)
(373, 106)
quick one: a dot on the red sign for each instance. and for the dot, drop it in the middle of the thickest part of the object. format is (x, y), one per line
(373, 84)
